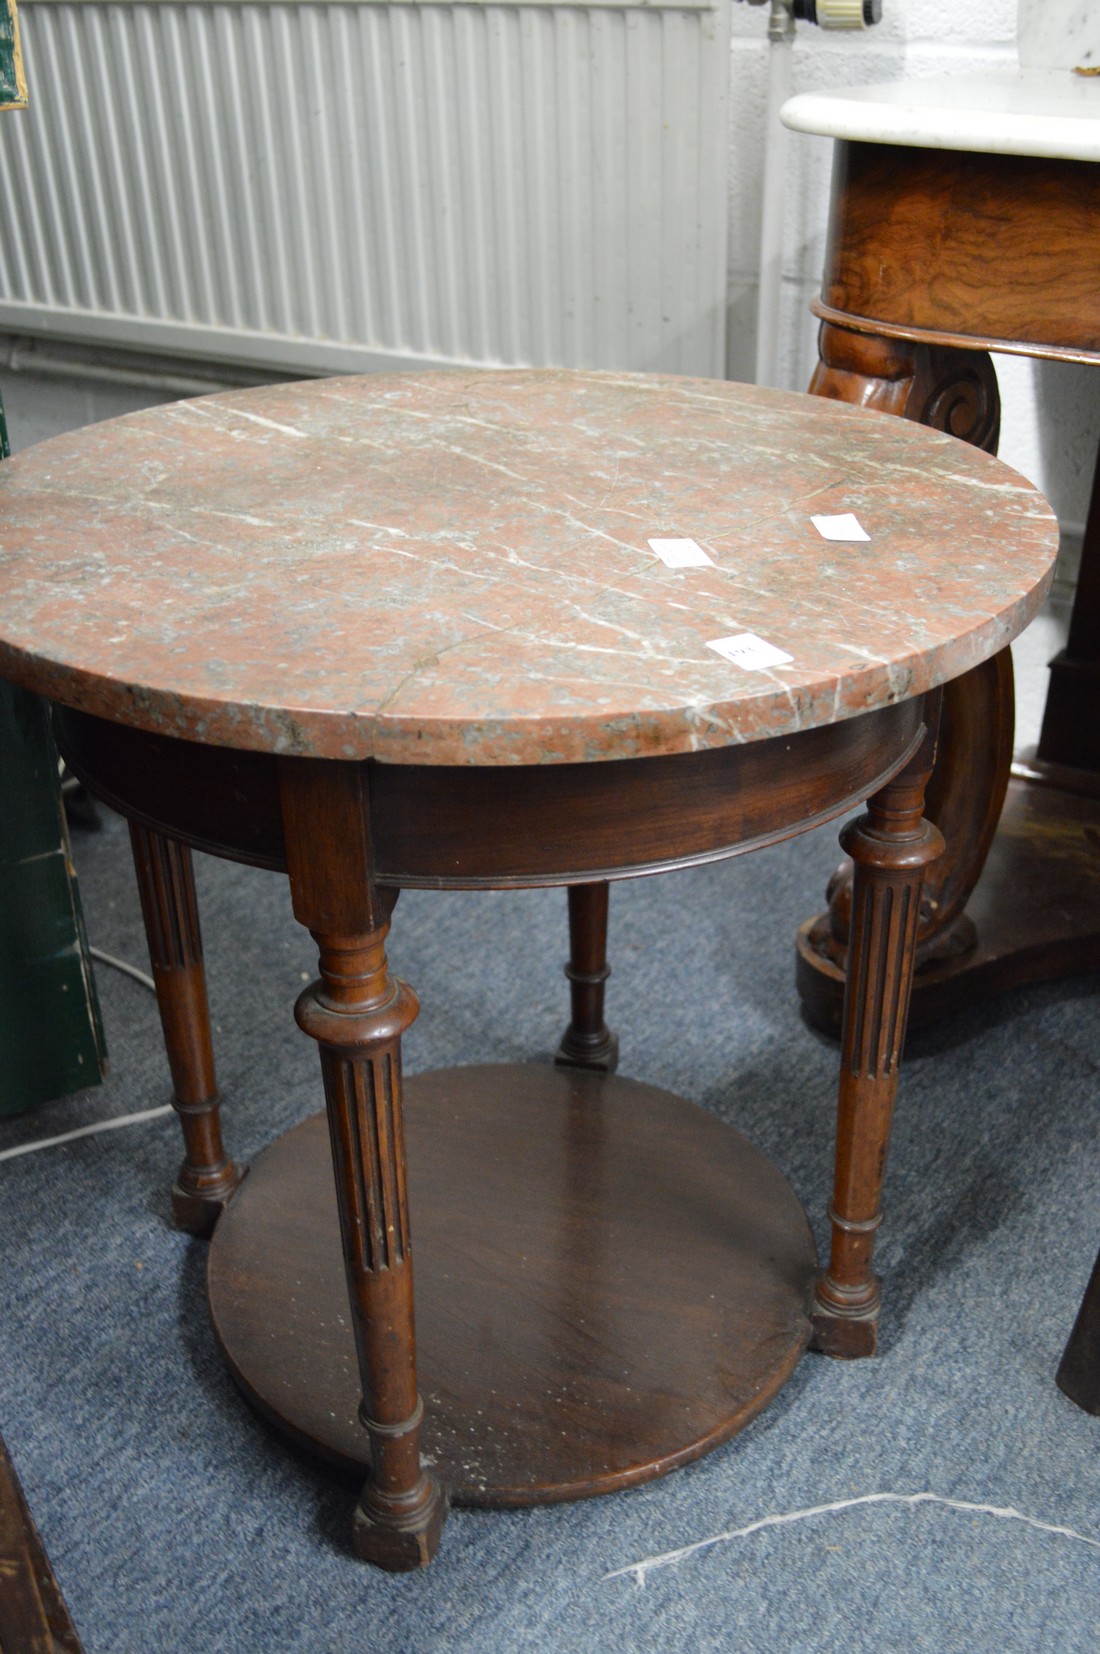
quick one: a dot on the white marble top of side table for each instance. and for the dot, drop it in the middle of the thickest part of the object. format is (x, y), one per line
(1042, 112)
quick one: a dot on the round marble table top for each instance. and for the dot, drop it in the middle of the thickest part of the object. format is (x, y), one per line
(1042, 112)
(456, 568)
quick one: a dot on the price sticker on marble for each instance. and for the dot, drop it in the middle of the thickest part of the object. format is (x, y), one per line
(846, 526)
(749, 652)
(681, 554)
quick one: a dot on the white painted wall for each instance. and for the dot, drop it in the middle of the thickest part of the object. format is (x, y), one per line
(1051, 410)
(1051, 419)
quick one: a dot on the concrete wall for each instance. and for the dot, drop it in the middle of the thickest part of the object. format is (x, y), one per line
(1051, 422)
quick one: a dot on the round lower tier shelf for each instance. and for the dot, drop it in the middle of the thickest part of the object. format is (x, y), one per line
(609, 1283)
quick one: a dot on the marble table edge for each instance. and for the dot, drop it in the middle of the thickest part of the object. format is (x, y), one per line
(1048, 113)
(358, 736)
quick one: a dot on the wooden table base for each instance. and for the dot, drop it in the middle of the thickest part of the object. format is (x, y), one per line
(1036, 911)
(609, 1282)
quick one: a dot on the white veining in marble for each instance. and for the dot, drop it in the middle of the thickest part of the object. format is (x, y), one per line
(1039, 111)
(1058, 34)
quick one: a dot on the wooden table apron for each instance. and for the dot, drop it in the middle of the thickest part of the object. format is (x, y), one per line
(443, 827)
(934, 258)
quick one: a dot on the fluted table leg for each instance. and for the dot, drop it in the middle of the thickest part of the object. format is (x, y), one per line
(891, 846)
(166, 885)
(357, 1013)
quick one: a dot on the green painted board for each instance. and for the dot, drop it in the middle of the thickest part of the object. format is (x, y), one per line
(51, 1036)
(13, 87)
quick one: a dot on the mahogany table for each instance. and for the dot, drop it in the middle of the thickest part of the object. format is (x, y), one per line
(965, 219)
(412, 631)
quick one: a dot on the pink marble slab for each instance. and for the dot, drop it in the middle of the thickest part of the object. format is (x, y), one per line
(454, 568)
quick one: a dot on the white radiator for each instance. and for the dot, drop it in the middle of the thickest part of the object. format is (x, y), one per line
(323, 187)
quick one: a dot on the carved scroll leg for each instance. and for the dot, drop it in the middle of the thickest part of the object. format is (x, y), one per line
(357, 1013)
(891, 845)
(956, 391)
(937, 385)
(964, 799)
(166, 884)
(588, 1042)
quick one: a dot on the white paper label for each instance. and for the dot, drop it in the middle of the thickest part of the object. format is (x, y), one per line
(845, 527)
(750, 652)
(681, 554)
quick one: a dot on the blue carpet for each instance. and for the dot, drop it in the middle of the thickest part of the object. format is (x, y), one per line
(175, 1522)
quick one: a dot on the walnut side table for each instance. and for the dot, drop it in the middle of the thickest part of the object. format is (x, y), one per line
(409, 631)
(965, 218)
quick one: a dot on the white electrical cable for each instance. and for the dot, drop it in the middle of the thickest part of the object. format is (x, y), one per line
(87, 1131)
(100, 1125)
(671, 1559)
(121, 965)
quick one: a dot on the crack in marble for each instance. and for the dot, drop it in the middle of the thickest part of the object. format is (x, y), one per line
(489, 464)
(418, 666)
(575, 522)
(269, 424)
(233, 516)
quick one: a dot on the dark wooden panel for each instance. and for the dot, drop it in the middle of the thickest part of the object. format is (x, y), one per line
(1079, 1369)
(33, 1615)
(998, 249)
(1071, 720)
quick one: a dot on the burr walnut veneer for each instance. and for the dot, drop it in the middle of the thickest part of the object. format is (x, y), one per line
(965, 219)
(410, 631)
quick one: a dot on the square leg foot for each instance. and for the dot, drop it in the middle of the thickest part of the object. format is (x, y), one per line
(196, 1211)
(396, 1542)
(598, 1056)
(844, 1337)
